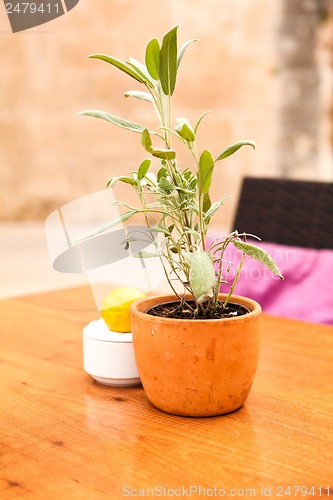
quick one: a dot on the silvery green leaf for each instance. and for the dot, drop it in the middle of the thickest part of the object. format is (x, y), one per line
(206, 167)
(121, 218)
(150, 180)
(214, 207)
(158, 229)
(128, 180)
(103, 115)
(168, 62)
(182, 50)
(184, 129)
(153, 58)
(141, 70)
(185, 191)
(143, 169)
(199, 121)
(192, 232)
(126, 68)
(258, 254)
(234, 147)
(144, 96)
(201, 275)
(132, 239)
(107, 225)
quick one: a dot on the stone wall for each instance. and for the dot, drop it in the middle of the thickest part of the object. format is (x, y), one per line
(49, 156)
(305, 96)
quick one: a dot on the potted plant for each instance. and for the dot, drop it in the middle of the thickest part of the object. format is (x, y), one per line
(196, 350)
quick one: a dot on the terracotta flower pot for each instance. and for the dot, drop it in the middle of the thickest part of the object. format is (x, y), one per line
(196, 367)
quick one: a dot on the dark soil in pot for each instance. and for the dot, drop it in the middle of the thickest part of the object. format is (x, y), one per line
(176, 310)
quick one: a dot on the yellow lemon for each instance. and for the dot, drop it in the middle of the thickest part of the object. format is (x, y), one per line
(116, 308)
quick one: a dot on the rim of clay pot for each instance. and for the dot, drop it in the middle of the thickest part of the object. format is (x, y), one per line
(140, 307)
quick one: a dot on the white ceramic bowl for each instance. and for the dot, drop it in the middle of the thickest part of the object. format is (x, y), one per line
(108, 356)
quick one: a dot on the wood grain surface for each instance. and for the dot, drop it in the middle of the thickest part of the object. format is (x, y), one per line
(63, 436)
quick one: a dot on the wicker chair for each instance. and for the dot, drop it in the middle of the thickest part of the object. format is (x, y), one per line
(289, 212)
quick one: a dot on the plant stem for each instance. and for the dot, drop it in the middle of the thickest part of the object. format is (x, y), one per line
(201, 227)
(234, 282)
(169, 120)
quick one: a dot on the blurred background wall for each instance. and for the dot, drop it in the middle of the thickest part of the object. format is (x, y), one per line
(264, 67)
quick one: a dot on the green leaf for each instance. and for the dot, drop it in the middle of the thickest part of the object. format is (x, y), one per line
(166, 185)
(168, 62)
(124, 67)
(161, 173)
(258, 254)
(206, 203)
(146, 140)
(206, 167)
(144, 96)
(182, 50)
(143, 169)
(128, 180)
(201, 275)
(187, 174)
(184, 129)
(164, 153)
(193, 183)
(153, 58)
(234, 147)
(103, 115)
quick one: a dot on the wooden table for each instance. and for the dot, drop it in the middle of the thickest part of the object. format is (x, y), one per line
(63, 436)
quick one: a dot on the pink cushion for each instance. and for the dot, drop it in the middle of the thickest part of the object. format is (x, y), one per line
(305, 294)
